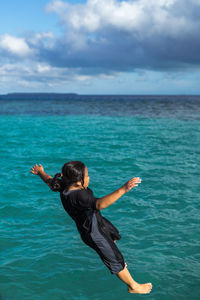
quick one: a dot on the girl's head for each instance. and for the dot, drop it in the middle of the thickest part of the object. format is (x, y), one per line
(74, 174)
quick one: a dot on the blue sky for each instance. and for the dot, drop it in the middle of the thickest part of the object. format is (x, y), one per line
(100, 46)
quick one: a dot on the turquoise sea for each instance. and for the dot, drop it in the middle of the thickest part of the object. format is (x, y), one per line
(155, 138)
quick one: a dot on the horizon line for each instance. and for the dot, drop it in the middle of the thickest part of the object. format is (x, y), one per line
(76, 94)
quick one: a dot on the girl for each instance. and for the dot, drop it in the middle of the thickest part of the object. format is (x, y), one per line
(95, 230)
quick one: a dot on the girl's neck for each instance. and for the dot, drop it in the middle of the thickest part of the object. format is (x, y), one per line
(79, 187)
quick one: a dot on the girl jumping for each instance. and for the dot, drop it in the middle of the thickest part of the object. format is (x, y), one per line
(96, 231)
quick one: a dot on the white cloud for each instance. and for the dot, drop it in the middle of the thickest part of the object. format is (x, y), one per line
(42, 68)
(35, 74)
(14, 45)
(41, 37)
(5, 69)
(143, 16)
(82, 77)
(105, 38)
(111, 35)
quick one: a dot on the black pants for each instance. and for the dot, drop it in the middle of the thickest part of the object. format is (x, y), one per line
(105, 247)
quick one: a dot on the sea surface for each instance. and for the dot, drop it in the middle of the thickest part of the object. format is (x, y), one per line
(155, 138)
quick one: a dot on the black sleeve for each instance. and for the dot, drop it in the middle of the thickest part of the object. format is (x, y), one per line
(85, 199)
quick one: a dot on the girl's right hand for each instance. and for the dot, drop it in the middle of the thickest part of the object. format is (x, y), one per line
(131, 183)
(37, 169)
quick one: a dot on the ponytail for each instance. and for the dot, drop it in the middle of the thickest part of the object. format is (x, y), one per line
(72, 172)
(56, 183)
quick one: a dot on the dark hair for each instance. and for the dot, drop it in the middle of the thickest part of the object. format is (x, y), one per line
(72, 172)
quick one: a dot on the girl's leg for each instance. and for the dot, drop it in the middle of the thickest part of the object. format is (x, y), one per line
(133, 286)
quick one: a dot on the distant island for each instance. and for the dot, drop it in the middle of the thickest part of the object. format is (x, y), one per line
(38, 96)
(92, 97)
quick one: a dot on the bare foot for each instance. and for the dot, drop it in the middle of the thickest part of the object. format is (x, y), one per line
(141, 288)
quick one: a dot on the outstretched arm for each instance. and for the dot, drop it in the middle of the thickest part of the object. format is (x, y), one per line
(39, 170)
(111, 198)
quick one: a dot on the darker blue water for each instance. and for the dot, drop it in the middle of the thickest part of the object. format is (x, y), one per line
(117, 138)
(182, 107)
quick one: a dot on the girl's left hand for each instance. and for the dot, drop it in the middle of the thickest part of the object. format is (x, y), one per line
(37, 169)
(131, 183)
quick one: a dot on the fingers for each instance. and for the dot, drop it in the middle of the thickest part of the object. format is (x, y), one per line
(36, 166)
(136, 179)
(35, 169)
(133, 182)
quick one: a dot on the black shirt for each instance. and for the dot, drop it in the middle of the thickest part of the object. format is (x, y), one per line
(80, 204)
